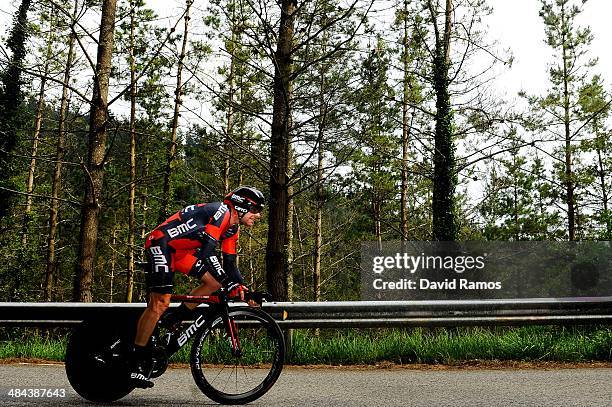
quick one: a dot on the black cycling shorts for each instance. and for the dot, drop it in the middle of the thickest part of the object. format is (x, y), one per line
(163, 260)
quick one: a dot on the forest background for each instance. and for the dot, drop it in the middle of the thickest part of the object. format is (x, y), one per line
(361, 120)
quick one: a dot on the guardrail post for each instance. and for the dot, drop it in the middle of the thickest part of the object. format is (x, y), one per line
(288, 335)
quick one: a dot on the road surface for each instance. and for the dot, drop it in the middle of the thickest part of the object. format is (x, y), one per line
(350, 387)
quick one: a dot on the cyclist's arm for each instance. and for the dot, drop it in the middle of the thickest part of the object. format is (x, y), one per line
(209, 238)
(228, 248)
(210, 261)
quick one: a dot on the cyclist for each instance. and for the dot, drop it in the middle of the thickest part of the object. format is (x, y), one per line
(187, 242)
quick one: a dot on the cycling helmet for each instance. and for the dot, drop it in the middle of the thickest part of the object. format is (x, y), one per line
(246, 199)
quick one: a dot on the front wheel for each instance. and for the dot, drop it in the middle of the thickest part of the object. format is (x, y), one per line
(231, 377)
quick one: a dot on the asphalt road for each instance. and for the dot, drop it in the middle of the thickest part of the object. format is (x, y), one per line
(351, 387)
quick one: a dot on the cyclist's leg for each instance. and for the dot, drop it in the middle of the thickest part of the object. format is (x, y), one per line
(157, 305)
(140, 368)
(208, 285)
(191, 264)
(159, 278)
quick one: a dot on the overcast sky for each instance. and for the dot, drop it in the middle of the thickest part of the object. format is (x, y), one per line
(515, 24)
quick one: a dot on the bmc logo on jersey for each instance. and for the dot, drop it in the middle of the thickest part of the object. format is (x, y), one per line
(182, 228)
(220, 212)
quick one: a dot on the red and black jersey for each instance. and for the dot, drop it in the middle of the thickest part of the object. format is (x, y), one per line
(187, 242)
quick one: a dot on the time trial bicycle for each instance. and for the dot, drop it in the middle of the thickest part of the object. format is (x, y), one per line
(237, 352)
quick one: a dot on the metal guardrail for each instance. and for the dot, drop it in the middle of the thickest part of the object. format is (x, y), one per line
(349, 314)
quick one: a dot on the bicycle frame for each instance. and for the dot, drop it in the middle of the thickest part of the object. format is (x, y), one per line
(175, 340)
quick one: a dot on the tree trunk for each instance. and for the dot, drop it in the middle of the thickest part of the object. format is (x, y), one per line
(569, 182)
(444, 181)
(165, 204)
(144, 195)
(276, 260)
(515, 210)
(405, 129)
(604, 193)
(229, 130)
(94, 176)
(56, 182)
(144, 200)
(289, 254)
(376, 213)
(316, 276)
(318, 232)
(113, 265)
(132, 191)
(32, 168)
(251, 261)
(40, 104)
(303, 263)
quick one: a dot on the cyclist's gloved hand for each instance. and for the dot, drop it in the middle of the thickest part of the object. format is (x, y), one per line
(236, 290)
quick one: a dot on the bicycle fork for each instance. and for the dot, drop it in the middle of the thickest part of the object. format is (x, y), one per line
(232, 333)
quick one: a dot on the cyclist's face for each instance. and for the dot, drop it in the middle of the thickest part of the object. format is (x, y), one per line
(249, 218)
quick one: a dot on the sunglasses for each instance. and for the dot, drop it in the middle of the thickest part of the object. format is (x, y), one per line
(257, 209)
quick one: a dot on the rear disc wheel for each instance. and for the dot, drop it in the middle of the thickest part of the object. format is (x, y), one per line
(95, 362)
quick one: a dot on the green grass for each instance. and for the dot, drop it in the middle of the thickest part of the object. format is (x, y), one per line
(34, 348)
(447, 346)
(456, 345)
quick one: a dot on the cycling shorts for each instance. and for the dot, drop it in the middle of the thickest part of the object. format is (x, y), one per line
(163, 260)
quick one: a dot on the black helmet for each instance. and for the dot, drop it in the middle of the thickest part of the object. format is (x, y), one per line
(246, 199)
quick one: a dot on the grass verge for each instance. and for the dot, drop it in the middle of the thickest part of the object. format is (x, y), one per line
(448, 346)
(428, 346)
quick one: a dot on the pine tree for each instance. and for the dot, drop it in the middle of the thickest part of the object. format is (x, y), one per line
(50, 20)
(567, 74)
(375, 160)
(411, 49)
(594, 104)
(56, 181)
(96, 157)
(133, 37)
(171, 151)
(11, 99)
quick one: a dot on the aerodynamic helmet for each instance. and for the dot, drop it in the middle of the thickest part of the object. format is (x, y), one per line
(246, 199)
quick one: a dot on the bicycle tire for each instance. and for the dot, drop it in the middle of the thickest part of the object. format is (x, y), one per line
(261, 362)
(90, 377)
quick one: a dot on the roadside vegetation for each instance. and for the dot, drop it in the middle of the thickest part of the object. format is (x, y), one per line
(360, 120)
(405, 346)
